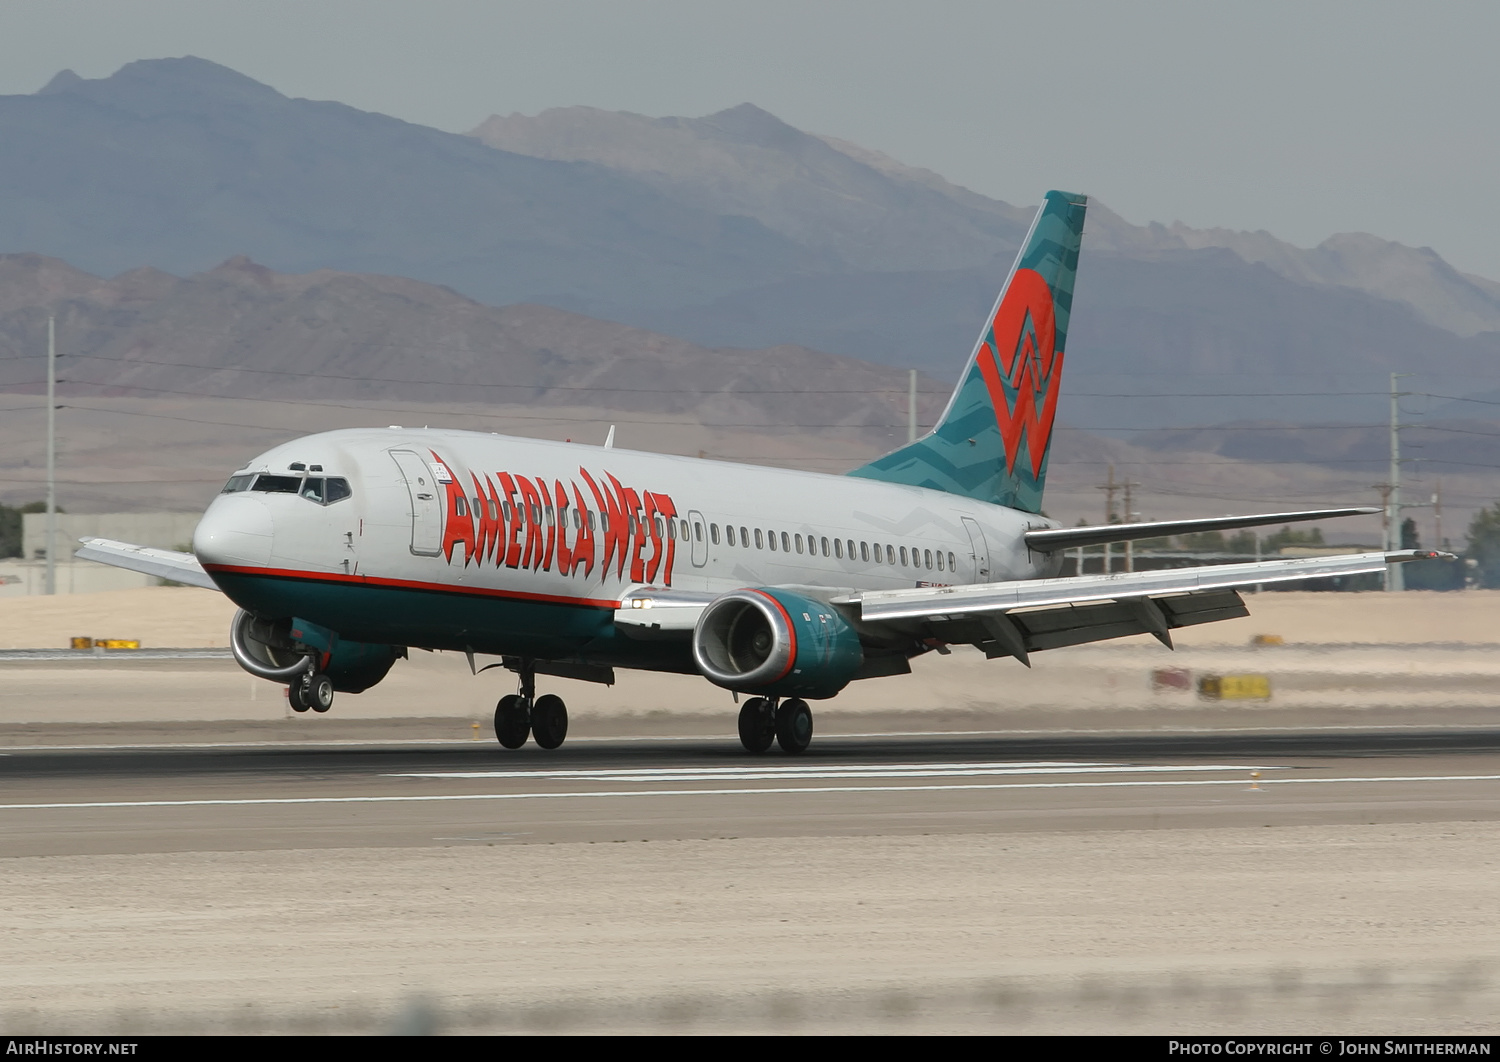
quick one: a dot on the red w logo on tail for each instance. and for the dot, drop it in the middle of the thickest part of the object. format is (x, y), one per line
(1018, 354)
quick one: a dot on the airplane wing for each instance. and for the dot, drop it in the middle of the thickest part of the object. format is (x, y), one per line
(1051, 539)
(166, 563)
(1019, 617)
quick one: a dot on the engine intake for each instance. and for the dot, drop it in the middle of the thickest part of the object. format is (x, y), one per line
(772, 641)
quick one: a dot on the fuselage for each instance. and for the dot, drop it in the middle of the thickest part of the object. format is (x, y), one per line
(500, 545)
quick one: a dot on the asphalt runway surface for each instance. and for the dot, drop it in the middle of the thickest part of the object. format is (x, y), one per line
(284, 875)
(125, 798)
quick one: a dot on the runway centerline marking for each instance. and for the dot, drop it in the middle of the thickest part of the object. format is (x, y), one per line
(800, 772)
(1141, 783)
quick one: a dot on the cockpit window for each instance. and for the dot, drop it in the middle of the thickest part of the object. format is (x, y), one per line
(277, 484)
(325, 490)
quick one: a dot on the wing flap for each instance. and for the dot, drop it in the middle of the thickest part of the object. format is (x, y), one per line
(163, 563)
(1015, 619)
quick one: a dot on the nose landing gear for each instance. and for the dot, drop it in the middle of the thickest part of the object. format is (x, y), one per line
(518, 715)
(788, 723)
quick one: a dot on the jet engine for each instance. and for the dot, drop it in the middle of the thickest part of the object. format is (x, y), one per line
(774, 642)
(272, 649)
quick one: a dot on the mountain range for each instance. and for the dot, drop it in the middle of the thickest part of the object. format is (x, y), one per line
(734, 229)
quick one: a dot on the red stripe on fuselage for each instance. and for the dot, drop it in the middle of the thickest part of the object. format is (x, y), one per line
(408, 584)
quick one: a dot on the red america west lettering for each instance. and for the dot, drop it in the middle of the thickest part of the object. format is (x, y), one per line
(512, 520)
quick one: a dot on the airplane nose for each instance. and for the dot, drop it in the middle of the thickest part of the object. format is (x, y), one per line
(236, 530)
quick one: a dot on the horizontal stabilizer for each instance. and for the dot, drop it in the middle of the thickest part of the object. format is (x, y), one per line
(1059, 538)
(164, 563)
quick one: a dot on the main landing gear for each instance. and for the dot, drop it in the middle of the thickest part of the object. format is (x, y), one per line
(313, 690)
(788, 723)
(544, 718)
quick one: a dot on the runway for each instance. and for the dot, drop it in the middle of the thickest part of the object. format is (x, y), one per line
(119, 798)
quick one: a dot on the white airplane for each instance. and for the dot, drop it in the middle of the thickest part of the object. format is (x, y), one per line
(345, 548)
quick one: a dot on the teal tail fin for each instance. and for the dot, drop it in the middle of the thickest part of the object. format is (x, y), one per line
(992, 441)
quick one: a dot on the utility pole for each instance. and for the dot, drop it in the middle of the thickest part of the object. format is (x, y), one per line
(911, 408)
(1129, 518)
(1437, 513)
(1108, 487)
(1393, 576)
(51, 585)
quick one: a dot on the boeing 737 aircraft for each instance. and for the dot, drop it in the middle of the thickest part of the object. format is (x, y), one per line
(347, 548)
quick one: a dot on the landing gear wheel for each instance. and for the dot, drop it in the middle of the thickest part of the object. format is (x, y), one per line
(794, 726)
(512, 721)
(549, 721)
(319, 692)
(296, 694)
(757, 725)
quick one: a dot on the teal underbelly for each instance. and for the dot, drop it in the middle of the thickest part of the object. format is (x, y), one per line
(455, 619)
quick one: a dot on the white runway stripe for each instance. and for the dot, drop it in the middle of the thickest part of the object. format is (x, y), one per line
(1142, 783)
(799, 772)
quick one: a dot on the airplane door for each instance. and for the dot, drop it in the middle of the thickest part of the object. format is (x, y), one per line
(981, 551)
(700, 538)
(426, 517)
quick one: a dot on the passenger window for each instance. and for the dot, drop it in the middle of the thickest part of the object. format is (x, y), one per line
(630, 524)
(744, 536)
(697, 530)
(758, 543)
(713, 533)
(890, 554)
(825, 547)
(729, 533)
(536, 513)
(952, 567)
(864, 552)
(551, 515)
(237, 483)
(577, 520)
(786, 543)
(686, 532)
(592, 525)
(798, 540)
(903, 556)
(661, 529)
(459, 505)
(771, 538)
(838, 548)
(940, 560)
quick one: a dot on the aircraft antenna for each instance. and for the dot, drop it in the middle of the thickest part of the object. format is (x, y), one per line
(609, 440)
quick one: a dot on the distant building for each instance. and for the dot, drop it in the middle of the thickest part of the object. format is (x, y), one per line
(26, 575)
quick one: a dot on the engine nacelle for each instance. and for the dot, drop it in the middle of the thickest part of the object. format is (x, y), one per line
(270, 649)
(774, 642)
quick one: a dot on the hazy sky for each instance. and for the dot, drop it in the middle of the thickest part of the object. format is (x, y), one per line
(1301, 118)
